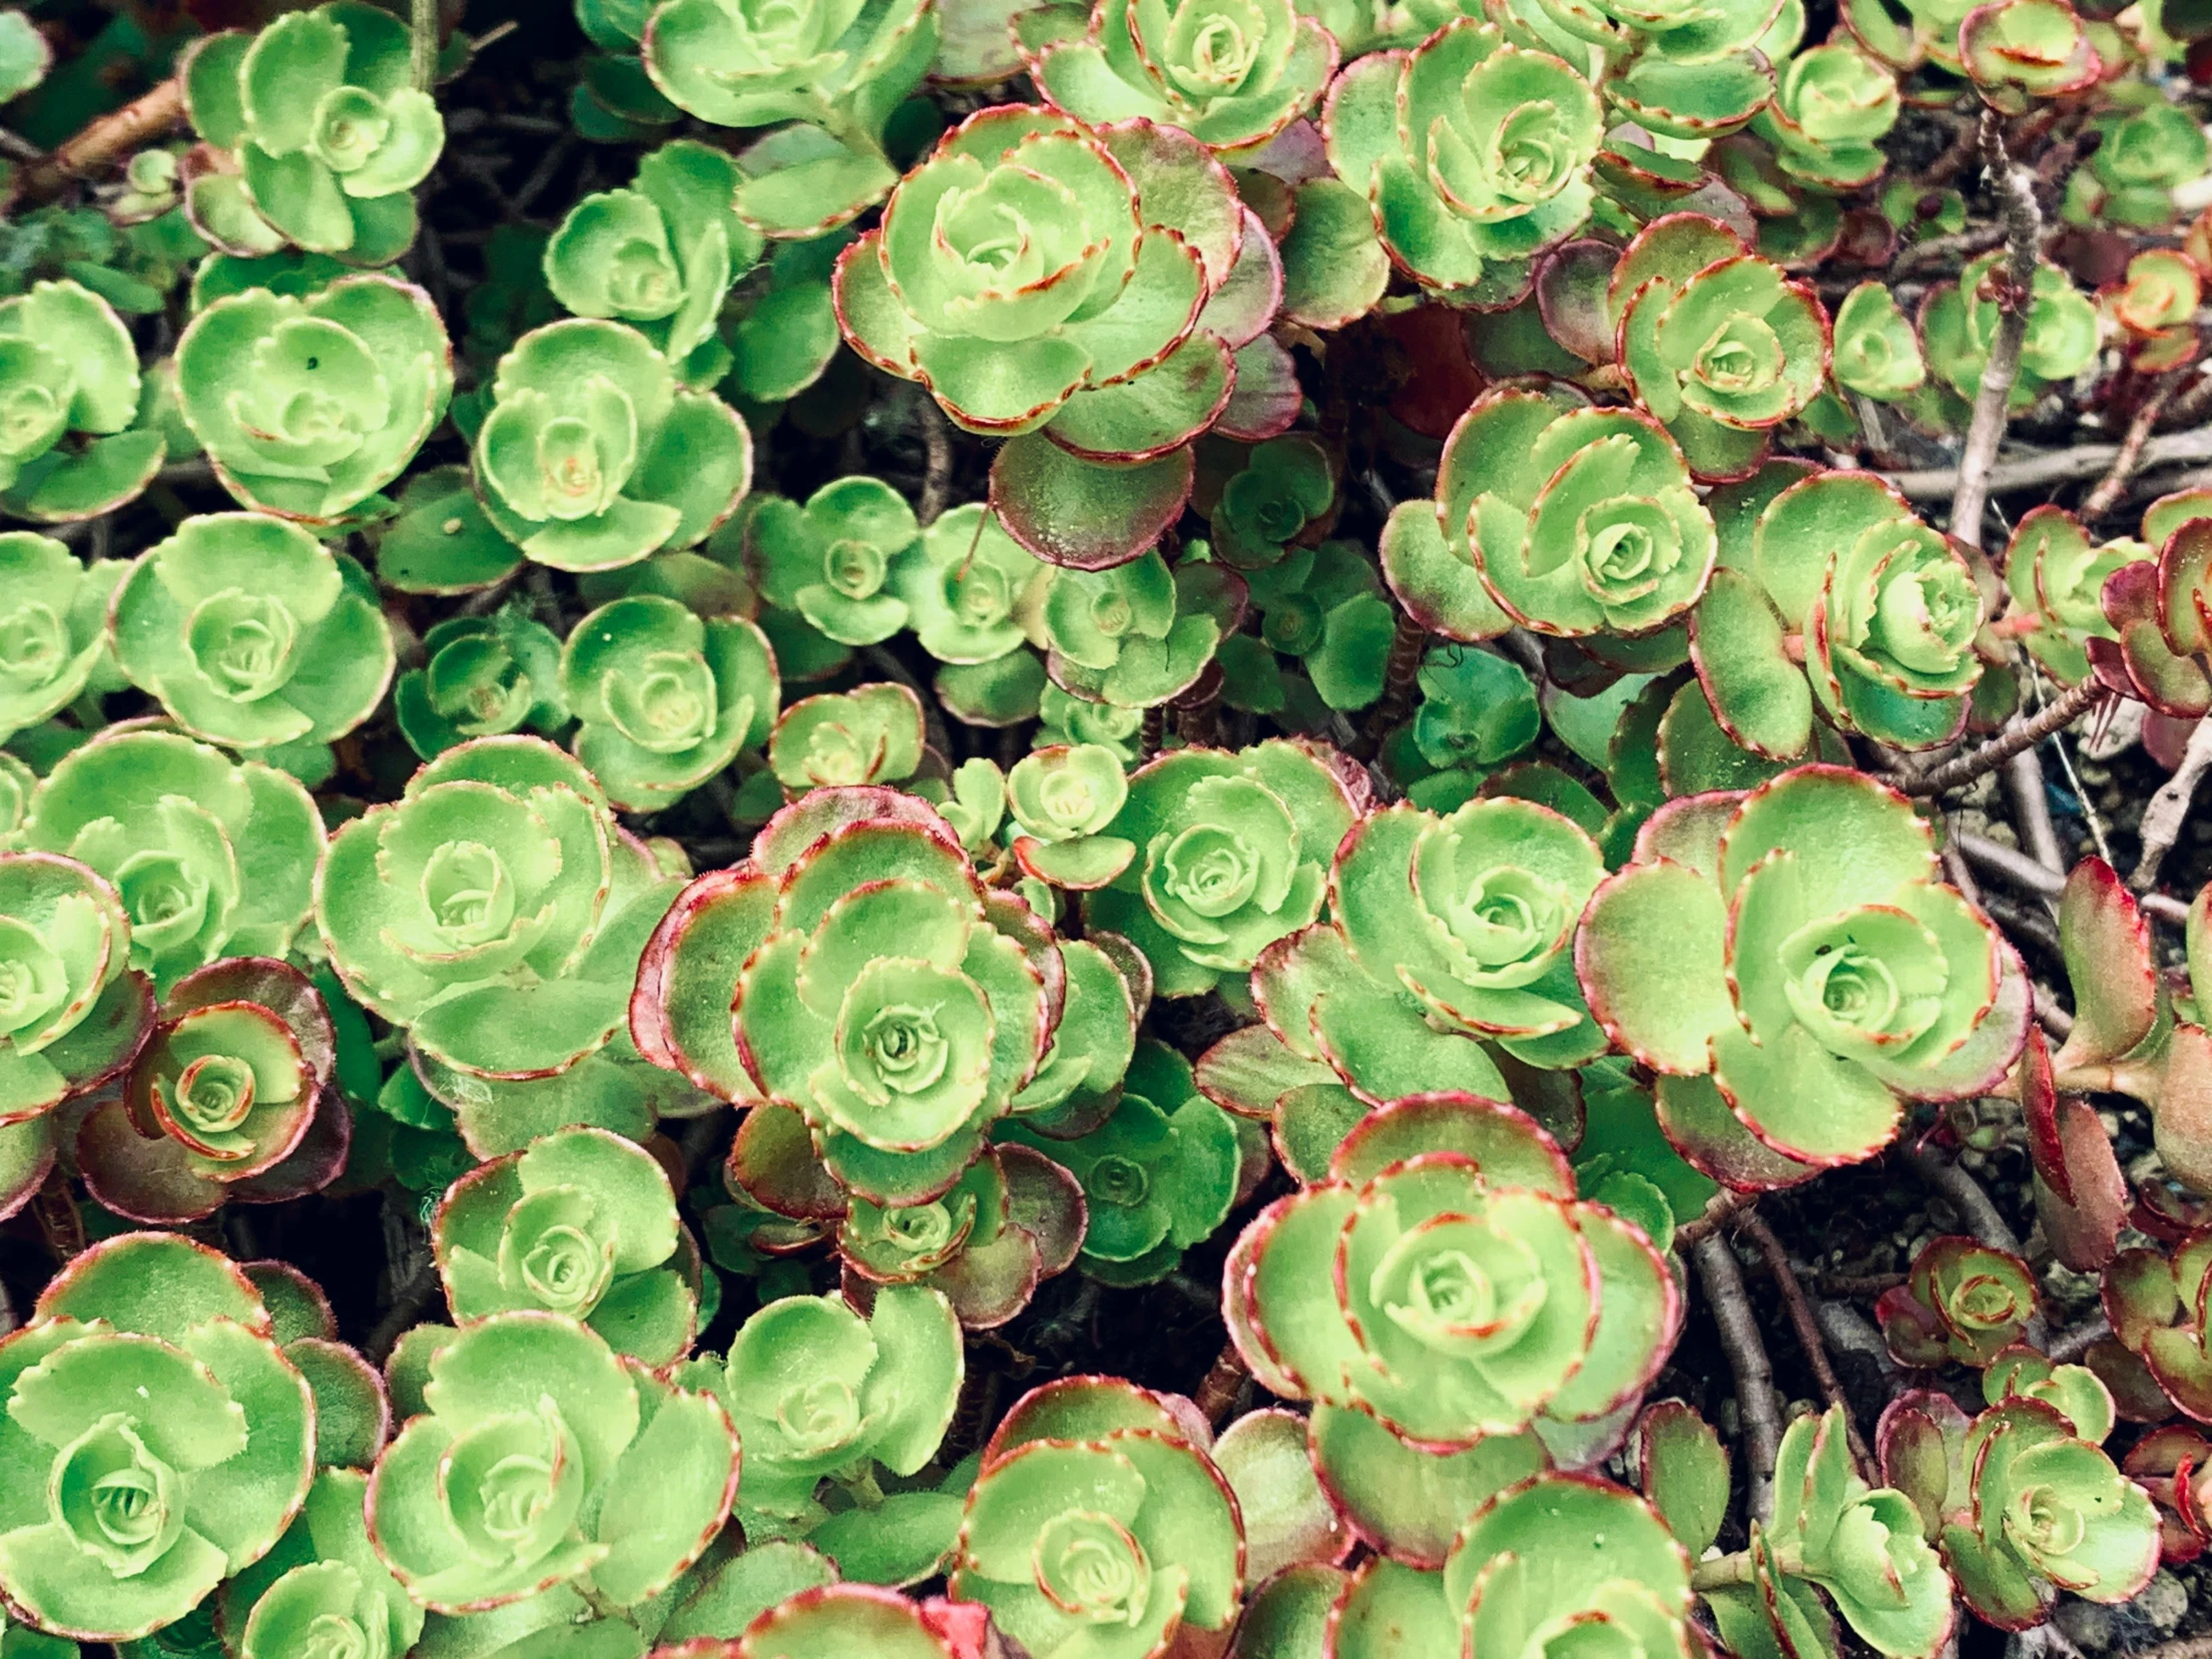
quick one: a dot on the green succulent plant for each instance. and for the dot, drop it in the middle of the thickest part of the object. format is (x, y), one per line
(211, 856)
(253, 633)
(322, 1594)
(231, 1100)
(1232, 854)
(69, 370)
(2020, 1506)
(838, 69)
(660, 255)
(1068, 719)
(2075, 1393)
(592, 455)
(542, 1465)
(1577, 519)
(1284, 487)
(1832, 106)
(327, 132)
(1232, 76)
(1791, 966)
(581, 1223)
(665, 699)
(1690, 33)
(831, 560)
(1876, 350)
(308, 405)
(1963, 1302)
(2017, 53)
(485, 676)
(1096, 1526)
(1062, 799)
(1488, 166)
(1478, 1298)
(494, 909)
(2158, 1304)
(963, 584)
(1958, 324)
(74, 1013)
(1137, 634)
(52, 631)
(872, 735)
(2148, 148)
(842, 1618)
(817, 1391)
(156, 1441)
(1325, 606)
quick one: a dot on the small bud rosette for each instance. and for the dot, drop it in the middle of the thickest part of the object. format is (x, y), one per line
(1474, 154)
(322, 1594)
(486, 676)
(73, 1013)
(69, 367)
(1231, 854)
(2020, 1506)
(1832, 106)
(306, 406)
(580, 1223)
(2055, 572)
(212, 857)
(873, 734)
(2160, 1306)
(1963, 1302)
(496, 909)
(1445, 1282)
(594, 455)
(233, 1099)
(325, 132)
(1959, 326)
(542, 1459)
(53, 615)
(1098, 1528)
(253, 633)
(1876, 350)
(1791, 966)
(832, 559)
(156, 1439)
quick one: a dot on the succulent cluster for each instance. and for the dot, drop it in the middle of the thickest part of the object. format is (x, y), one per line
(1005, 687)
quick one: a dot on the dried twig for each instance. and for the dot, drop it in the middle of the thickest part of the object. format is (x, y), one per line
(2192, 1647)
(2070, 1346)
(2024, 871)
(2019, 735)
(1754, 1227)
(1723, 1280)
(1719, 1210)
(1965, 1194)
(2169, 807)
(2113, 484)
(2023, 788)
(107, 140)
(2023, 226)
(2056, 466)
(1216, 1391)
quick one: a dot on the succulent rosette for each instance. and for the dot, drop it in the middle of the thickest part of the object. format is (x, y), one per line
(154, 1443)
(1578, 520)
(1444, 1281)
(873, 734)
(1085, 319)
(1282, 493)
(963, 582)
(1959, 324)
(2023, 50)
(2173, 1463)
(231, 1100)
(494, 909)
(1876, 350)
(52, 627)
(1832, 106)
(67, 369)
(322, 1594)
(212, 857)
(73, 1012)
(1062, 798)
(253, 633)
(326, 129)
(838, 69)
(1097, 1527)
(2162, 1311)
(832, 559)
(846, 1618)
(1963, 1302)
(580, 1223)
(540, 1459)
(2056, 573)
(2149, 147)
(1137, 634)
(306, 406)
(1231, 854)
(1231, 73)
(2020, 1506)
(817, 1391)
(485, 676)
(1791, 966)
(593, 455)
(665, 699)
(1688, 33)
(660, 255)
(1474, 154)
(2155, 303)
(1719, 344)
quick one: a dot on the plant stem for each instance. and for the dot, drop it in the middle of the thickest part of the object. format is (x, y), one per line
(1754, 1227)
(1718, 1211)
(424, 60)
(104, 141)
(937, 449)
(2023, 229)
(2024, 871)
(2169, 807)
(2023, 788)
(1965, 1194)
(2113, 484)
(2019, 735)
(1723, 1280)
(2058, 466)
(1719, 1574)
(1217, 1389)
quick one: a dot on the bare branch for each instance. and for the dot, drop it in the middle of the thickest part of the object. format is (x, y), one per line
(2056, 466)
(107, 140)
(1723, 1282)
(1754, 1227)
(2024, 227)
(2113, 484)
(2021, 733)
(2169, 807)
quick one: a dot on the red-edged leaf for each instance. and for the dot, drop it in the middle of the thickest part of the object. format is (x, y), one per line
(2106, 945)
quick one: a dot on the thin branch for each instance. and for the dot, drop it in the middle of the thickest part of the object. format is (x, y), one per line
(2056, 466)
(1963, 1193)
(1218, 1390)
(2024, 227)
(1719, 1210)
(2193, 1647)
(2070, 1346)
(2023, 788)
(2169, 807)
(936, 449)
(2024, 871)
(2113, 484)
(1723, 1282)
(423, 53)
(1754, 1227)
(2019, 735)
(107, 140)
